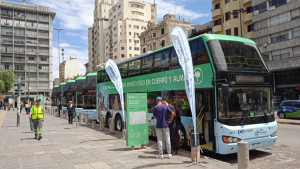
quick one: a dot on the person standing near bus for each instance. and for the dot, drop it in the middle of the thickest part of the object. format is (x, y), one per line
(174, 136)
(37, 115)
(71, 111)
(161, 112)
(59, 108)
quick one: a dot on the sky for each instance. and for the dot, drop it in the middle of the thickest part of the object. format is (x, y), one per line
(76, 16)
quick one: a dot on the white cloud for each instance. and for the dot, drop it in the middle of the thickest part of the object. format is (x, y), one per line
(71, 14)
(64, 45)
(82, 35)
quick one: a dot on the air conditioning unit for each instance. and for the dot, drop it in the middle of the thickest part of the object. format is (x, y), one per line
(256, 12)
(272, 7)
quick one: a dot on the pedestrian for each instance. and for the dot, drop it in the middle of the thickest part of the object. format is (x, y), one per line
(37, 115)
(161, 112)
(71, 110)
(25, 104)
(173, 127)
(1, 104)
(59, 108)
(28, 113)
(21, 107)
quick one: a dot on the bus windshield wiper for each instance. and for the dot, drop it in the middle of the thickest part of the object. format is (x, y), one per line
(245, 117)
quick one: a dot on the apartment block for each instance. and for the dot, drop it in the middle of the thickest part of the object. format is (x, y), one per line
(96, 38)
(127, 20)
(68, 69)
(205, 28)
(277, 33)
(232, 17)
(159, 35)
(26, 45)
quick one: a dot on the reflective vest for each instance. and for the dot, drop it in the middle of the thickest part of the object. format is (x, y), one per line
(37, 113)
(183, 105)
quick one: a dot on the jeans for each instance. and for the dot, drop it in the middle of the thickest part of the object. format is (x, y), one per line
(31, 124)
(70, 118)
(160, 133)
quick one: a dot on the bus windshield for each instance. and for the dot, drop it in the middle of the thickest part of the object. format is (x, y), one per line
(245, 105)
(236, 56)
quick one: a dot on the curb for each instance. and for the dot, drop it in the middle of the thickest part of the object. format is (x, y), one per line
(286, 122)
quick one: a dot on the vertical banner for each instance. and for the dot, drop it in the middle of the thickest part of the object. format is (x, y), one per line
(183, 51)
(113, 72)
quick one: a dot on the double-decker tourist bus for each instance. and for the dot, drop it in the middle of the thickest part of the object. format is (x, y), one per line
(79, 82)
(69, 91)
(63, 96)
(55, 96)
(232, 91)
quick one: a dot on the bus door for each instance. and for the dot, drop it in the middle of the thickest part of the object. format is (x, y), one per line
(204, 118)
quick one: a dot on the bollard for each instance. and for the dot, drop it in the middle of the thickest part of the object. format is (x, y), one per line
(80, 118)
(193, 154)
(86, 119)
(243, 155)
(111, 122)
(93, 124)
(102, 121)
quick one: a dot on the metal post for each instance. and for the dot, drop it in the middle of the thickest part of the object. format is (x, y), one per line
(58, 30)
(240, 10)
(18, 101)
(75, 109)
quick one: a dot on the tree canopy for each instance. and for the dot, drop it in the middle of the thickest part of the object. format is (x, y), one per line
(8, 80)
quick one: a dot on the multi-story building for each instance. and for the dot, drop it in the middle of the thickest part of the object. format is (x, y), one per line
(68, 69)
(201, 29)
(127, 20)
(232, 17)
(277, 33)
(158, 36)
(96, 34)
(26, 45)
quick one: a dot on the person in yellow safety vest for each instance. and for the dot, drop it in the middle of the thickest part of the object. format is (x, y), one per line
(184, 105)
(37, 115)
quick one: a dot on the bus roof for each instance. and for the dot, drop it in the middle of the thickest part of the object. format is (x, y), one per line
(92, 74)
(62, 84)
(55, 86)
(80, 78)
(70, 81)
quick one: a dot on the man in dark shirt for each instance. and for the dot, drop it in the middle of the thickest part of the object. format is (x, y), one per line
(161, 113)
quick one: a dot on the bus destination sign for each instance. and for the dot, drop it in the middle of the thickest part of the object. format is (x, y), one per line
(249, 79)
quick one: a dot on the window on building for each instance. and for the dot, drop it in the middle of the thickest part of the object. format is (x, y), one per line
(218, 22)
(130, 55)
(162, 31)
(250, 28)
(236, 31)
(279, 37)
(228, 32)
(136, 48)
(235, 14)
(130, 48)
(227, 16)
(217, 6)
(296, 51)
(144, 40)
(261, 7)
(296, 32)
(144, 50)
(129, 33)
(122, 48)
(261, 25)
(227, 1)
(249, 9)
(278, 19)
(130, 40)
(136, 34)
(295, 14)
(115, 57)
(277, 2)
(280, 54)
(163, 43)
(154, 46)
(136, 27)
(154, 34)
(122, 55)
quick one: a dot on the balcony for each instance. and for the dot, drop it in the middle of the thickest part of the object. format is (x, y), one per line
(216, 12)
(249, 35)
(248, 17)
(217, 29)
(246, 1)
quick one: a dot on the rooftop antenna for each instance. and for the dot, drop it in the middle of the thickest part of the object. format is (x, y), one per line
(175, 8)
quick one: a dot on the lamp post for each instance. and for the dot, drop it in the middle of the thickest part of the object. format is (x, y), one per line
(58, 30)
(239, 11)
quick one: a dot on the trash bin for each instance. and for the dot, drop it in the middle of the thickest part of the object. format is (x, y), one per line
(193, 140)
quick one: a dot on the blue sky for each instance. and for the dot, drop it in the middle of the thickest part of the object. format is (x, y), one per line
(76, 16)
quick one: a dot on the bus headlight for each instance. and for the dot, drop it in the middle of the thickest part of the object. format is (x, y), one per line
(229, 139)
(274, 134)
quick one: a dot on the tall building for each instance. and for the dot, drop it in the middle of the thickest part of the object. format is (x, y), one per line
(158, 35)
(96, 34)
(277, 33)
(68, 69)
(127, 20)
(232, 17)
(26, 45)
(205, 28)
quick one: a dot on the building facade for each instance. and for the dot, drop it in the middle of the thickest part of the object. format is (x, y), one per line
(277, 33)
(232, 17)
(205, 28)
(68, 69)
(159, 35)
(96, 34)
(26, 45)
(127, 20)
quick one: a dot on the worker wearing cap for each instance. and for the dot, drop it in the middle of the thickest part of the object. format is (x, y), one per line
(37, 115)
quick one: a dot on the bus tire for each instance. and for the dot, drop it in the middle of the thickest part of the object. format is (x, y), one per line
(281, 115)
(182, 136)
(118, 123)
(107, 117)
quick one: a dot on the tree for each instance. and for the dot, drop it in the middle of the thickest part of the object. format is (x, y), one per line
(8, 79)
(289, 94)
(75, 77)
(2, 86)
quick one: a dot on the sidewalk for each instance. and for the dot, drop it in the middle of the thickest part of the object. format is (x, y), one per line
(65, 147)
(288, 121)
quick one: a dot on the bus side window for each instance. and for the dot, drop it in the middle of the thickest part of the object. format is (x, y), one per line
(134, 68)
(161, 61)
(174, 62)
(123, 70)
(147, 64)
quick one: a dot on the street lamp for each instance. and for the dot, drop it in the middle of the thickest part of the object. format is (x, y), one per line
(58, 30)
(239, 11)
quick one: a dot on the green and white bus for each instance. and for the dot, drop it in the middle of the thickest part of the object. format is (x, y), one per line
(232, 91)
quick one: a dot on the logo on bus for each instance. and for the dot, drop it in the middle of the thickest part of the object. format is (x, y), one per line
(198, 76)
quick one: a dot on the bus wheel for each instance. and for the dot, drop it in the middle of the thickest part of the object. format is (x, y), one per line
(282, 115)
(118, 123)
(108, 116)
(182, 136)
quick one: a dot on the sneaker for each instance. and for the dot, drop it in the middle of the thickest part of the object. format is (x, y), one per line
(35, 137)
(160, 156)
(40, 137)
(169, 156)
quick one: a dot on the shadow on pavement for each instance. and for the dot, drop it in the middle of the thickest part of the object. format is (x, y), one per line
(156, 165)
(31, 138)
(96, 140)
(121, 149)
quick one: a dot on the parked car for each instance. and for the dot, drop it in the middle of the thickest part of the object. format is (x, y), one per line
(289, 109)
